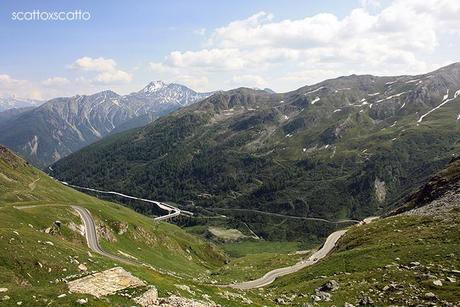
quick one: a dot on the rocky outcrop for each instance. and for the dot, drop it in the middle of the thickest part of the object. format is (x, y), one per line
(441, 191)
(105, 283)
(380, 190)
(177, 301)
(105, 232)
(148, 298)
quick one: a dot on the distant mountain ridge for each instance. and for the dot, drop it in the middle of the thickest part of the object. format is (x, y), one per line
(343, 148)
(10, 114)
(63, 125)
(12, 102)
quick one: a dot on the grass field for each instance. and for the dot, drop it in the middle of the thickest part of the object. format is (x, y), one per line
(252, 259)
(371, 257)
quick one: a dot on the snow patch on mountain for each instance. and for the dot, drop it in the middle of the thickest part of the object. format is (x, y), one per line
(314, 91)
(392, 96)
(154, 86)
(32, 145)
(445, 100)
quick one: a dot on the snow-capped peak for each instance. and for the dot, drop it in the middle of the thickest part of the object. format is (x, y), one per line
(154, 86)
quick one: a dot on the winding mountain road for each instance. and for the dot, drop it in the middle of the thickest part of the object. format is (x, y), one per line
(172, 211)
(270, 277)
(91, 235)
(90, 231)
(288, 216)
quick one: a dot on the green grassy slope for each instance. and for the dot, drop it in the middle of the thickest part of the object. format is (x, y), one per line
(32, 268)
(406, 259)
(23, 185)
(386, 252)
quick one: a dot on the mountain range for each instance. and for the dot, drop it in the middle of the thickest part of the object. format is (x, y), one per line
(344, 148)
(61, 126)
(12, 102)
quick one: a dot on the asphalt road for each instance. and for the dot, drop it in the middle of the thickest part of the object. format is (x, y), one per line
(172, 211)
(90, 232)
(91, 235)
(270, 277)
(288, 216)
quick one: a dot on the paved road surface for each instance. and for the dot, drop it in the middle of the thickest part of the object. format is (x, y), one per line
(90, 232)
(270, 277)
(91, 235)
(288, 216)
(172, 211)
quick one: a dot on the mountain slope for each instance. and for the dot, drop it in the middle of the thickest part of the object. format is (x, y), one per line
(344, 148)
(43, 247)
(22, 185)
(11, 114)
(444, 186)
(64, 125)
(403, 260)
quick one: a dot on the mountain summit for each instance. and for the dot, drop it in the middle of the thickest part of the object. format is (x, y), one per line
(154, 86)
(160, 93)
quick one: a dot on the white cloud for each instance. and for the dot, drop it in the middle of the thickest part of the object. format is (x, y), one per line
(159, 67)
(395, 39)
(115, 76)
(97, 64)
(106, 69)
(6, 80)
(212, 59)
(259, 30)
(248, 81)
(10, 86)
(56, 81)
(198, 83)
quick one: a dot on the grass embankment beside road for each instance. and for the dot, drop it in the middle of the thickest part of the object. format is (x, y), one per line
(394, 261)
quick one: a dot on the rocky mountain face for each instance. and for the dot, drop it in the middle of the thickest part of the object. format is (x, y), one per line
(440, 193)
(344, 148)
(63, 125)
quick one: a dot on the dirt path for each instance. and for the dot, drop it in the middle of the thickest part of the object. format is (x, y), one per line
(33, 184)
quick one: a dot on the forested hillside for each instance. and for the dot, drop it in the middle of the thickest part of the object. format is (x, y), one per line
(345, 148)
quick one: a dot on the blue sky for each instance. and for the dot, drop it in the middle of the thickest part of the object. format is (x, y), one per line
(211, 45)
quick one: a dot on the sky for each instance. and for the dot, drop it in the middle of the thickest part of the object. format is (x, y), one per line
(217, 45)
